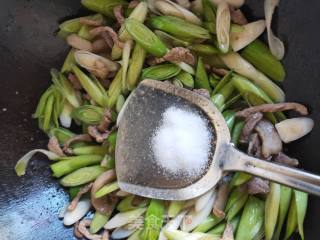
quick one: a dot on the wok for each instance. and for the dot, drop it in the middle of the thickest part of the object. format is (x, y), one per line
(29, 206)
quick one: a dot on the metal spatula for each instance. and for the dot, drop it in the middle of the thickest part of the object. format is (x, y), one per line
(136, 167)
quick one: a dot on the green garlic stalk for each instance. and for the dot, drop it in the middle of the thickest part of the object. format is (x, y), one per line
(153, 220)
(88, 114)
(201, 78)
(82, 176)
(69, 164)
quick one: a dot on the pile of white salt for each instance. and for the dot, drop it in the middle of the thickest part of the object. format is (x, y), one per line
(182, 142)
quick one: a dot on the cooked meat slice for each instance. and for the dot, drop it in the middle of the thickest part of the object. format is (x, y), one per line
(177, 54)
(286, 160)
(77, 138)
(100, 30)
(83, 229)
(74, 81)
(254, 147)
(106, 121)
(54, 146)
(90, 22)
(221, 199)
(133, 3)
(82, 191)
(274, 107)
(258, 185)
(238, 17)
(94, 132)
(228, 233)
(250, 123)
(118, 13)
(271, 142)
(219, 71)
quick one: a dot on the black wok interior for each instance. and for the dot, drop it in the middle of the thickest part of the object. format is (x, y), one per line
(29, 206)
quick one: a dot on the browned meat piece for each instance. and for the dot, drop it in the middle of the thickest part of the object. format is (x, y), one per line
(108, 40)
(221, 199)
(100, 30)
(105, 204)
(106, 82)
(177, 54)
(90, 22)
(82, 191)
(286, 160)
(54, 146)
(254, 147)
(74, 81)
(151, 60)
(228, 233)
(105, 235)
(133, 3)
(76, 232)
(180, 54)
(100, 45)
(77, 138)
(97, 135)
(257, 185)
(238, 17)
(250, 123)
(83, 229)
(203, 92)
(106, 121)
(274, 107)
(219, 71)
(118, 13)
(271, 142)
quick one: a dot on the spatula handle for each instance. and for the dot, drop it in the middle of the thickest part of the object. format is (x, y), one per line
(235, 160)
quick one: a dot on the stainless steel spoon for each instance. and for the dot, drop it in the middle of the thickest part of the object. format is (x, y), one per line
(136, 167)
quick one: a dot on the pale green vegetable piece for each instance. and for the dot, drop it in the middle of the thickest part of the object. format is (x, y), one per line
(161, 71)
(145, 37)
(98, 221)
(82, 176)
(186, 79)
(88, 114)
(285, 198)
(67, 165)
(235, 62)
(139, 13)
(68, 62)
(135, 67)
(179, 27)
(301, 199)
(103, 6)
(106, 189)
(251, 220)
(92, 86)
(87, 150)
(207, 224)
(65, 88)
(292, 220)
(272, 209)
(115, 88)
(153, 220)
(22, 164)
(174, 208)
(201, 78)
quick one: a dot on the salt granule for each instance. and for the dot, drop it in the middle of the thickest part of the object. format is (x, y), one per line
(182, 142)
